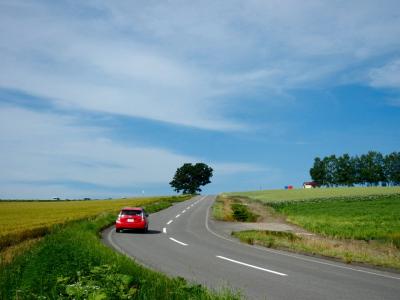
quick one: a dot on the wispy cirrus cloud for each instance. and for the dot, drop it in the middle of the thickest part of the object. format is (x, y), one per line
(387, 76)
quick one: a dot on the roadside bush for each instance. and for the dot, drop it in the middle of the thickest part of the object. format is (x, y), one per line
(241, 213)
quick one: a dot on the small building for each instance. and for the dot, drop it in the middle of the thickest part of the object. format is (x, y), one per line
(310, 185)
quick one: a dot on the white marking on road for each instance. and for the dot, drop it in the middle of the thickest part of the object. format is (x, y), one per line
(176, 241)
(109, 237)
(169, 222)
(164, 230)
(183, 211)
(177, 216)
(251, 266)
(291, 255)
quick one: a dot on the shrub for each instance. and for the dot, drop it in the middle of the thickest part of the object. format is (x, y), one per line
(241, 213)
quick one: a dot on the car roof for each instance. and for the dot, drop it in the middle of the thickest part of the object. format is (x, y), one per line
(132, 208)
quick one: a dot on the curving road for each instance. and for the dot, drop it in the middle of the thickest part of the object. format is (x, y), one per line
(184, 241)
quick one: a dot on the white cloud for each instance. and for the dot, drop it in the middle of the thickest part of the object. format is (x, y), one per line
(45, 149)
(179, 62)
(387, 76)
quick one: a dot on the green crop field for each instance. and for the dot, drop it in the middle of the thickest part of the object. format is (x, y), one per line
(372, 218)
(318, 193)
(359, 224)
(363, 213)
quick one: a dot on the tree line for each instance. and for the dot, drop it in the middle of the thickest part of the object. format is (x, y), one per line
(370, 169)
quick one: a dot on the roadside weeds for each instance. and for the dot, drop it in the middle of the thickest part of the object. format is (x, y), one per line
(372, 252)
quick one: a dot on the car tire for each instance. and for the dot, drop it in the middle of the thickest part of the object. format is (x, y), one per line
(118, 230)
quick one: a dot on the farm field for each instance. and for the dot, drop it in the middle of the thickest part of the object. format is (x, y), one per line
(72, 263)
(21, 220)
(352, 224)
(372, 218)
(269, 196)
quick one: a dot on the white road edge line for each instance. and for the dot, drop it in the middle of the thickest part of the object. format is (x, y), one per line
(292, 255)
(169, 222)
(164, 230)
(177, 216)
(109, 237)
(176, 241)
(251, 266)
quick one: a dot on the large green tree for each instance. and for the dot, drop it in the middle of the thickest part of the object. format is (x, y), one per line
(346, 170)
(372, 169)
(330, 163)
(190, 177)
(392, 168)
(318, 172)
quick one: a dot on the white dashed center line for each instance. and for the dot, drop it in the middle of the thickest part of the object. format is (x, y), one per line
(251, 266)
(169, 222)
(176, 241)
(183, 211)
(177, 216)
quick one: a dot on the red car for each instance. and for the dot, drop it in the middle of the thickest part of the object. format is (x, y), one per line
(132, 218)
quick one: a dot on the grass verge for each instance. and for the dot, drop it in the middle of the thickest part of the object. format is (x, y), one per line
(228, 208)
(373, 253)
(72, 263)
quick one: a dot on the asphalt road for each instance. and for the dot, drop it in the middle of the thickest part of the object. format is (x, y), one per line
(184, 241)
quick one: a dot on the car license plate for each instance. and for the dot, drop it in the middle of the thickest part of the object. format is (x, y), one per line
(131, 220)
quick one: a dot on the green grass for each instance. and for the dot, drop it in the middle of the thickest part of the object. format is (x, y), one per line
(72, 263)
(221, 208)
(241, 213)
(232, 209)
(269, 196)
(373, 253)
(372, 218)
(352, 224)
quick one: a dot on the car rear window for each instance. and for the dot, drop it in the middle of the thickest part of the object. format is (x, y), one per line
(130, 212)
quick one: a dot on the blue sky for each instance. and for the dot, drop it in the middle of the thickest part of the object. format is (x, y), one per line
(108, 98)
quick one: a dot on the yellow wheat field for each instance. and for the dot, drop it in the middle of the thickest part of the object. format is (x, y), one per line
(20, 220)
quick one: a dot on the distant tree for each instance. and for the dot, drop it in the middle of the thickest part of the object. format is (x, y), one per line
(391, 168)
(318, 172)
(189, 178)
(346, 170)
(371, 168)
(331, 170)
